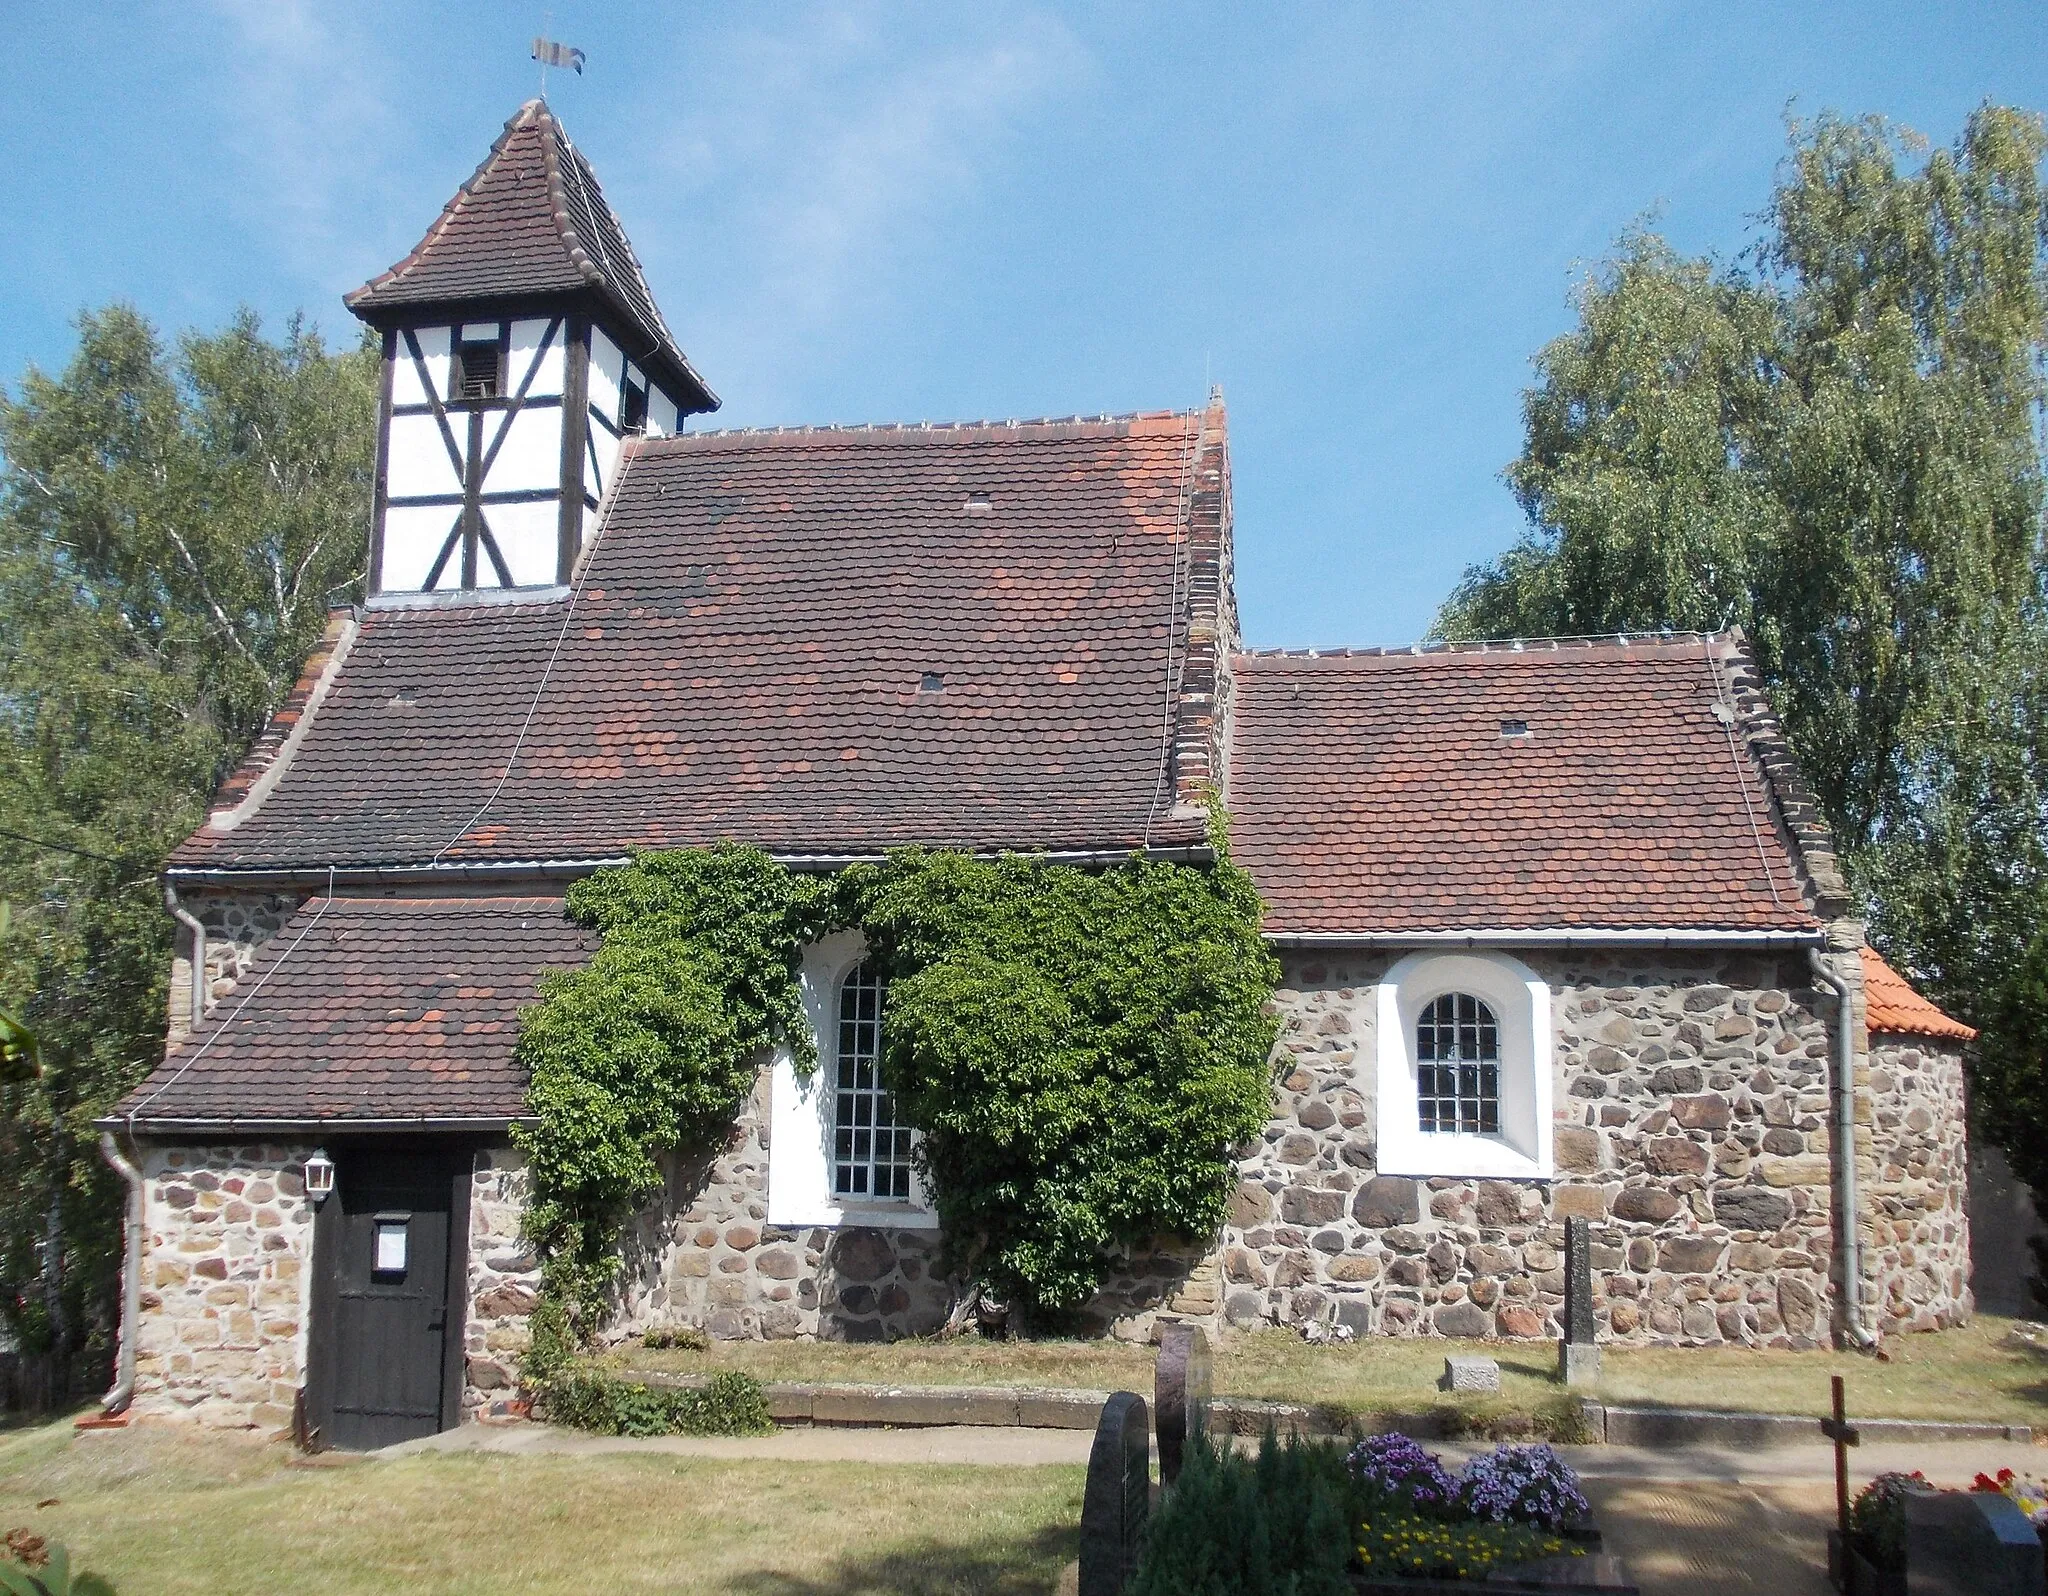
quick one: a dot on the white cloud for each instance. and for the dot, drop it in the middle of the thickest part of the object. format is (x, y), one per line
(802, 159)
(307, 123)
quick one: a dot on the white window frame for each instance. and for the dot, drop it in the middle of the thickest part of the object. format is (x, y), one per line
(1520, 1000)
(800, 1115)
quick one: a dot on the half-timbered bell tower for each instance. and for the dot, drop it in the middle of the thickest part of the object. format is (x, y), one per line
(521, 345)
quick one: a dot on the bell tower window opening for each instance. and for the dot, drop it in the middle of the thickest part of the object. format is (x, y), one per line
(633, 409)
(476, 372)
(870, 1148)
(1457, 1056)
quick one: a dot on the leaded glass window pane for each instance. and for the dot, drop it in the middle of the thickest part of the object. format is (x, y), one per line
(1457, 1057)
(870, 1149)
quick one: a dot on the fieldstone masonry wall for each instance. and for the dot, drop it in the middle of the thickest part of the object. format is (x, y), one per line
(237, 925)
(504, 1279)
(1914, 1176)
(226, 1284)
(705, 1255)
(1692, 1129)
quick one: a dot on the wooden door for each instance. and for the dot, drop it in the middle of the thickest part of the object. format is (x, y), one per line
(388, 1321)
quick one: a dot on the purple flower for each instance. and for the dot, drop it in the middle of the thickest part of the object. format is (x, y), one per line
(1525, 1484)
(1393, 1466)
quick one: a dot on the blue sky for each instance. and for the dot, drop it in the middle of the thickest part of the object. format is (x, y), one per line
(1362, 219)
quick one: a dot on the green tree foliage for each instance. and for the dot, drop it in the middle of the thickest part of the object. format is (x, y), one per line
(1080, 1050)
(172, 527)
(655, 1042)
(1836, 445)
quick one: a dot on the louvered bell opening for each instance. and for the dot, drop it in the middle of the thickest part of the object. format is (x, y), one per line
(476, 371)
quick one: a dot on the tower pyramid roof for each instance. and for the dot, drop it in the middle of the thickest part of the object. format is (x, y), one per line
(533, 221)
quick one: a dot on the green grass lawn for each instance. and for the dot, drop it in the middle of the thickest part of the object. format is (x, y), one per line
(159, 1510)
(1971, 1373)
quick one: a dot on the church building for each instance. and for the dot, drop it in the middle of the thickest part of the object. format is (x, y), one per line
(1561, 932)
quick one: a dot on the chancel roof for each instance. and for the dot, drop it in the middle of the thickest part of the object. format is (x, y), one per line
(533, 221)
(1608, 784)
(823, 642)
(1892, 1005)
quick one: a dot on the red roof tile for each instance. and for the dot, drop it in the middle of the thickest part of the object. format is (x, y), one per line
(749, 658)
(533, 221)
(1377, 792)
(371, 1009)
(1891, 1004)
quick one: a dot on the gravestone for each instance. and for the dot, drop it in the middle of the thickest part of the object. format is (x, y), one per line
(1469, 1374)
(1970, 1543)
(1578, 1358)
(1117, 1496)
(1180, 1394)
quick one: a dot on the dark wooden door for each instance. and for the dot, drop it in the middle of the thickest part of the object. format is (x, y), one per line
(392, 1276)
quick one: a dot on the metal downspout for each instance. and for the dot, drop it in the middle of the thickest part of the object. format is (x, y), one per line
(1844, 1141)
(123, 1393)
(190, 922)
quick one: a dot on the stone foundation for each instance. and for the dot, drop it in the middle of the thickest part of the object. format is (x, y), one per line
(226, 1285)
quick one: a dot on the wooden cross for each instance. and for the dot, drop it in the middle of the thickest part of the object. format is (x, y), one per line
(1845, 1435)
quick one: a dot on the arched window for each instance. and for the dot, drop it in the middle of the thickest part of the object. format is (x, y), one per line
(1463, 1066)
(870, 1149)
(1457, 1056)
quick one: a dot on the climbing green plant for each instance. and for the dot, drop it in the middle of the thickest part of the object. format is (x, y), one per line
(655, 1042)
(1080, 1050)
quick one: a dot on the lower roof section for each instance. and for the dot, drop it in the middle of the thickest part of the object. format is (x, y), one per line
(376, 1014)
(1569, 788)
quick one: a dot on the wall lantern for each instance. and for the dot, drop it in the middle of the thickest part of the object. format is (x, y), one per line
(319, 1176)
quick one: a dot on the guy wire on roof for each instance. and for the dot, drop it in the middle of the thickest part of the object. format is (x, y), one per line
(627, 456)
(221, 1029)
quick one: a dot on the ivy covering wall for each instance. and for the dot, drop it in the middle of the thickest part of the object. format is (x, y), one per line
(1080, 1051)
(654, 1043)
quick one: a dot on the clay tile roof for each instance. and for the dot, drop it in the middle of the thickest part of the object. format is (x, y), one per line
(822, 642)
(383, 1009)
(1557, 785)
(533, 221)
(1891, 1004)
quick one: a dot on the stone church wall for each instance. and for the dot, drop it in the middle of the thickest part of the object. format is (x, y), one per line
(1691, 1127)
(226, 1285)
(1914, 1176)
(238, 924)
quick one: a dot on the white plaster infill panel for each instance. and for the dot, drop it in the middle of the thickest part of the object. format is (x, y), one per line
(544, 378)
(607, 370)
(1520, 1000)
(406, 387)
(800, 1115)
(417, 460)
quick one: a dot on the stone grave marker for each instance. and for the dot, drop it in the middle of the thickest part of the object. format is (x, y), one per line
(1970, 1543)
(1117, 1497)
(1469, 1374)
(1578, 1357)
(1180, 1394)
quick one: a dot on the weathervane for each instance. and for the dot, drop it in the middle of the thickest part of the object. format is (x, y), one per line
(548, 53)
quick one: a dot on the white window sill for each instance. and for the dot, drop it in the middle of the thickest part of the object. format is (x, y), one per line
(1423, 1154)
(874, 1216)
